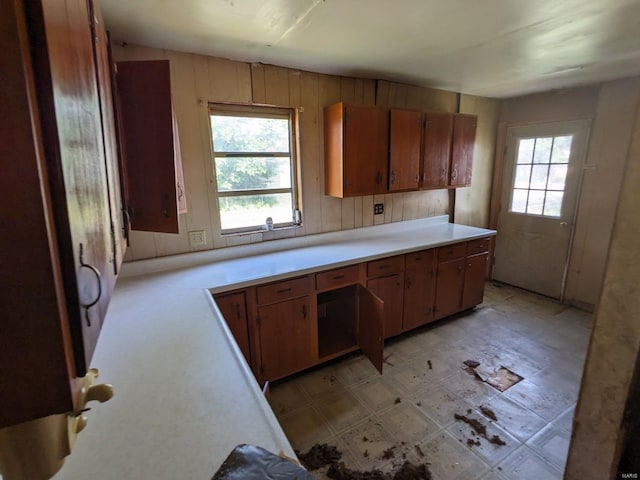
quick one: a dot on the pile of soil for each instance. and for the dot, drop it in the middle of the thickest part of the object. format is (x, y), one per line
(487, 412)
(479, 429)
(318, 456)
(321, 455)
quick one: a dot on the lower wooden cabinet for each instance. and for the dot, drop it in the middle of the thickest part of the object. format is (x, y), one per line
(287, 333)
(287, 326)
(419, 289)
(474, 276)
(233, 307)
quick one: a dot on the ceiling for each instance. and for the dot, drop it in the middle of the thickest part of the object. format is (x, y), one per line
(493, 48)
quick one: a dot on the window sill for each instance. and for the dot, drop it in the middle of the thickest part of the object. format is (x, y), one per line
(261, 230)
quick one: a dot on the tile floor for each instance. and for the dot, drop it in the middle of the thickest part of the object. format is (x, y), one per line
(411, 407)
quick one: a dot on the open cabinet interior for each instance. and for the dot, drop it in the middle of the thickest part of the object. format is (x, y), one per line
(337, 321)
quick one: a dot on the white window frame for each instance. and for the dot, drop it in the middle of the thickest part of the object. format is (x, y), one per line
(260, 111)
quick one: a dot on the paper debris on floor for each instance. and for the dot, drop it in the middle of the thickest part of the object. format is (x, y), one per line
(498, 377)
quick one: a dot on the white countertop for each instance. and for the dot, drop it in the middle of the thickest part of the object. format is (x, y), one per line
(184, 396)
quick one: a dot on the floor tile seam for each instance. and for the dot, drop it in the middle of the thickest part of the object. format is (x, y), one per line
(535, 454)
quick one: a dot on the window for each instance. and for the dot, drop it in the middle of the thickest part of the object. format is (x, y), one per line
(540, 174)
(254, 164)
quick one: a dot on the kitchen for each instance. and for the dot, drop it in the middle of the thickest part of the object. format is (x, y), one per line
(611, 105)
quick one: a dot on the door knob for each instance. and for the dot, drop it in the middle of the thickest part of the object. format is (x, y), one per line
(100, 392)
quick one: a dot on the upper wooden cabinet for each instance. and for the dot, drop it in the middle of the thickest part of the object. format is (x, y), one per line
(405, 139)
(356, 142)
(447, 154)
(436, 149)
(149, 144)
(464, 137)
(62, 241)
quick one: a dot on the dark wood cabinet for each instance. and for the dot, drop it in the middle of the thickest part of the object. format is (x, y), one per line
(385, 278)
(447, 155)
(233, 307)
(148, 145)
(405, 140)
(474, 278)
(436, 149)
(450, 280)
(61, 239)
(464, 137)
(356, 143)
(287, 337)
(419, 289)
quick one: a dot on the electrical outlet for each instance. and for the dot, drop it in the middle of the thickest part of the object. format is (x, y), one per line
(197, 238)
(378, 208)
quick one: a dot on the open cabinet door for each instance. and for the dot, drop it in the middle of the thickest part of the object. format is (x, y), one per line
(371, 326)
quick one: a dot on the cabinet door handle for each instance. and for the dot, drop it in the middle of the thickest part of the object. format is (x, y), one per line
(337, 277)
(283, 290)
(96, 272)
(304, 310)
(454, 174)
(393, 176)
(408, 283)
(459, 268)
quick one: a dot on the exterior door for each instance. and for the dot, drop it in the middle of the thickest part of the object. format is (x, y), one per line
(542, 173)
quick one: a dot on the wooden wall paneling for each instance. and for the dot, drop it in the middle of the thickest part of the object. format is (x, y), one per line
(230, 81)
(398, 207)
(473, 202)
(410, 205)
(276, 85)
(378, 219)
(295, 98)
(382, 93)
(348, 95)
(329, 92)
(367, 210)
(258, 86)
(311, 161)
(389, 206)
(357, 212)
(369, 92)
(611, 135)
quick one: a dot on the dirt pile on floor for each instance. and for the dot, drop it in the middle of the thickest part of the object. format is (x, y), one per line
(321, 455)
(479, 429)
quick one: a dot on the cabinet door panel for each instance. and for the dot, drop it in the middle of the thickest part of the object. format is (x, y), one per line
(234, 310)
(419, 290)
(366, 138)
(390, 290)
(103, 61)
(72, 130)
(436, 149)
(404, 149)
(147, 137)
(464, 136)
(371, 326)
(474, 277)
(450, 278)
(288, 337)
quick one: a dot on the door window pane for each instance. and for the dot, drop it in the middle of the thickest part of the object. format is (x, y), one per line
(525, 150)
(540, 175)
(519, 201)
(536, 202)
(542, 152)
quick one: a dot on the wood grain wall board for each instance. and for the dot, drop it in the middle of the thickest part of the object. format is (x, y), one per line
(312, 181)
(329, 92)
(398, 207)
(229, 81)
(357, 212)
(367, 211)
(258, 88)
(410, 205)
(276, 85)
(473, 202)
(611, 135)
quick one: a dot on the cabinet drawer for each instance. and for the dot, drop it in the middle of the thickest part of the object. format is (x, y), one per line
(337, 278)
(278, 291)
(423, 259)
(451, 252)
(478, 246)
(384, 267)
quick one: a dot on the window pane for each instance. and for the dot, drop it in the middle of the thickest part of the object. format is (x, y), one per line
(519, 201)
(250, 173)
(539, 176)
(557, 176)
(523, 172)
(253, 210)
(525, 150)
(249, 134)
(542, 151)
(561, 149)
(553, 204)
(536, 199)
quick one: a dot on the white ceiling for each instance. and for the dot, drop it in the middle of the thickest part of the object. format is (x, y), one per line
(494, 48)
